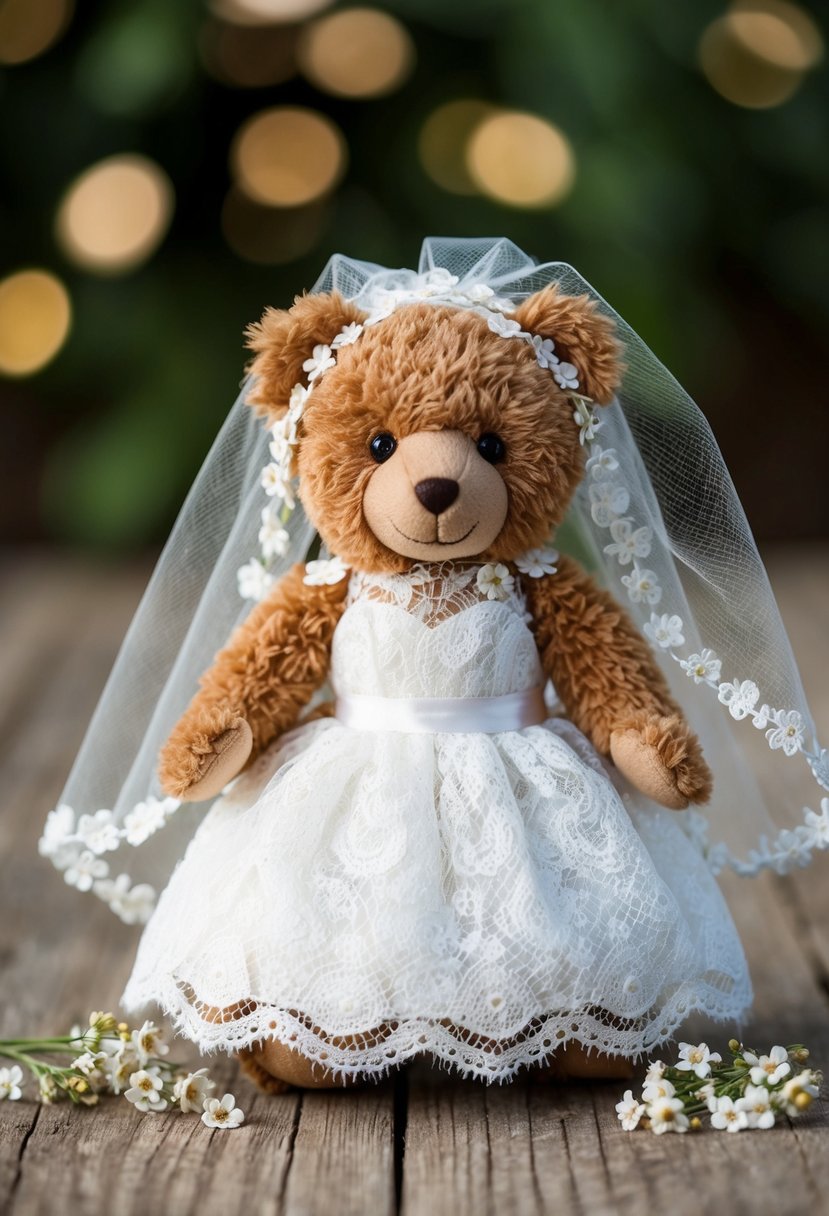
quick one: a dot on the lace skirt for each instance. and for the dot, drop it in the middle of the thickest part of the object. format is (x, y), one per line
(367, 897)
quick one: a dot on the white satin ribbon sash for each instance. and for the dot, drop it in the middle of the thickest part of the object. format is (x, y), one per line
(443, 715)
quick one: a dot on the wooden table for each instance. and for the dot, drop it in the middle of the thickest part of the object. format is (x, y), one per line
(423, 1143)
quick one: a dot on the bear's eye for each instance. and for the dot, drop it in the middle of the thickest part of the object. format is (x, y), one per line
(492, 447)
(382, 446)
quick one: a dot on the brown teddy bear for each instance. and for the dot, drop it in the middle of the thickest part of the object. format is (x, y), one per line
(431, 450)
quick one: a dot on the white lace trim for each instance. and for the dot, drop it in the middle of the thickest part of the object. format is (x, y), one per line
(372, 1054)
(784, 728)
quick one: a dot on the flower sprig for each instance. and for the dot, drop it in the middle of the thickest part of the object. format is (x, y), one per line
(751, 1091)
(107, 1057)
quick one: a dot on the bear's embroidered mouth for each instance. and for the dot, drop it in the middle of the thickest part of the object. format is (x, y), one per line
(458, 540)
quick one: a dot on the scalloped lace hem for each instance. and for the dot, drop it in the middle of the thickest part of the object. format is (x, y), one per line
(373, 1052)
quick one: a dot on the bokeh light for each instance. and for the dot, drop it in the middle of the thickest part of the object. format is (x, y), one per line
(30, 27)
(781, 33)
(756, 54)
(358, 52)
(288, 156)
(268, 12)
(249, 56)
(521, 160)
(115, 214)
(270, 236)
(443, 140)
(35, 315)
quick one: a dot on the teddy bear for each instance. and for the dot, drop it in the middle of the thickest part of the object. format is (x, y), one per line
(456, 860)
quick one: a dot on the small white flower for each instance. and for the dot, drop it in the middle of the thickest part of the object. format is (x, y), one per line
(566, 375)
(145, 1090)
(702, 668)
(629, 1111)
(479, 293)
(601, 462)
(665, 631)
(146, 818)
(739, 697)
(727, 1117)
(11, 1080)
(756, 1104)
(587, 421)
(191, 1091)
(706, 1094)
(505, 327)
(222, 1113)
(535, 563)
(770, 1069)
(495, 581)
(697, 1059)
(658, 1088)
(296, 403)
(819, 765)
(134, 905)
(58, 829)
(607, 501)
(320, 361)
(667, 1115)
(627, 543)
(797, 1093)
(761, 717)
(642, 587)
(98, 832)
(273, 538)
(787, 732)
(277, 484)
(254, 580)
(93, 1065)
(149, 1042)
(348, 334)
(656, 1070)
(817, 826)
(47, 1090)
(121, 1064)
(545, 351)
(84, 870)
(325, 573)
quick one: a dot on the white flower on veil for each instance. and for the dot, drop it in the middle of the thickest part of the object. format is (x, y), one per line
(739, 696)
(254, 580)
(608, 501)
(702, 668)
(642, 586)
(665, 631)
(627, 542)
(787, 732)
(98, 832)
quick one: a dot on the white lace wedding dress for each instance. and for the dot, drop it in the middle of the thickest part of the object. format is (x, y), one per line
(368, 893)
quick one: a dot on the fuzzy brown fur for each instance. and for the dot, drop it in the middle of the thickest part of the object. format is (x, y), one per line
(267, 673)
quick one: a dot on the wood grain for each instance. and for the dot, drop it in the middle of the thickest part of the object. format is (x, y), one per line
(424, 1143)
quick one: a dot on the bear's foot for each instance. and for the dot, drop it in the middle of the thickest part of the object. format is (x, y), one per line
(574, 1063)
(277, 1069)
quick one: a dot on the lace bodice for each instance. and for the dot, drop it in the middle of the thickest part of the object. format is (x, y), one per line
(433, 632)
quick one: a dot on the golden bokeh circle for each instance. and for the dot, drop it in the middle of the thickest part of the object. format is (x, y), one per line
(30, 27)
(35, 316)
(357, 52)
(267, 12)
(443, 139)
(738, 74)
(288, 156)
(521, 160)
(115, 214)
(781, 33)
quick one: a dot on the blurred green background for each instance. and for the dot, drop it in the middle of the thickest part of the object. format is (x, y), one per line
(169, 167)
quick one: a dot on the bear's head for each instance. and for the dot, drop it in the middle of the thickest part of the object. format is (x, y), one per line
(433, 437)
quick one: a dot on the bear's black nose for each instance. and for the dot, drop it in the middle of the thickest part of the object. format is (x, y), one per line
(437, 493)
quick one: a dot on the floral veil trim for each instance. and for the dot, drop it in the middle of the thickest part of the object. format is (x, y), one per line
(78, 848)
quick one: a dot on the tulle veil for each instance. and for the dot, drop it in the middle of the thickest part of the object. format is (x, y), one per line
(656, 520)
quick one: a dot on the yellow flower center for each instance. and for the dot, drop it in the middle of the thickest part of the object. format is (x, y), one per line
(146, 1084)
(221, 1114)
(699, 670)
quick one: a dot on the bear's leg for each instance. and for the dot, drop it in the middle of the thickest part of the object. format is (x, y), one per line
(573, 1062)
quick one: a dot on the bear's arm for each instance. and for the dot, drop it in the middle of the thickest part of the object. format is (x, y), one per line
(256, 688)
(612, 688)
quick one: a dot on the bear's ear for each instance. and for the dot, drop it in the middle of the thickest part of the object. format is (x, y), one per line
(284, 339)
(582, 336)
